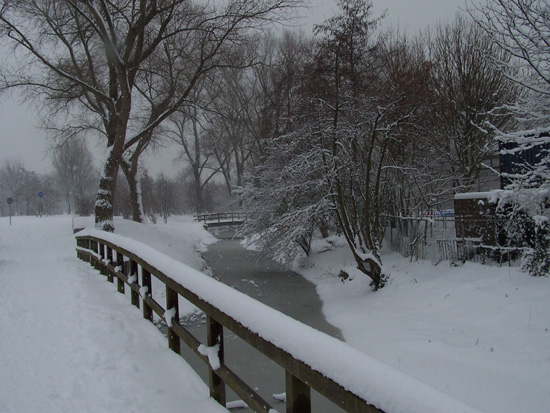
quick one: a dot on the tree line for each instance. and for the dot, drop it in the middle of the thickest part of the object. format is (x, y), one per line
(338, 131)
(373, 126)
(71, 188)
(118, 69)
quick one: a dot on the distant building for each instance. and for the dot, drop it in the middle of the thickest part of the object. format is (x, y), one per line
(516, 161)
(476, 219)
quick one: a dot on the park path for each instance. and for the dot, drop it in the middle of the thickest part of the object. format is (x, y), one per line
(70, 342)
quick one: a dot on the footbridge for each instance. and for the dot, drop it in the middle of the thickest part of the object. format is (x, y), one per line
(221, 219)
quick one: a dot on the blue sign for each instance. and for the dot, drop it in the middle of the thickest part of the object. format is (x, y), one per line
(9, 201)
(40, 194)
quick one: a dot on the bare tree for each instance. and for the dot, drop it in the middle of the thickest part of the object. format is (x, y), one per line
(29, 197)
(49, 203)
(413, 168)
(147, 186)
(74, 171)
(232, 117)
(469, 91)
(12, 180)
(165, 196)
(355, 121)
(92, 54)
(32, 193)
(274, 98)
(187, 129)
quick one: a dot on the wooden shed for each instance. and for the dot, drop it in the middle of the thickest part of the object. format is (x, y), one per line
(475, 218)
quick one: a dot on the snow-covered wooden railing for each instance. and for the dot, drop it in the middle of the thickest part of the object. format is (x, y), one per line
(311, 359)
(222, 218)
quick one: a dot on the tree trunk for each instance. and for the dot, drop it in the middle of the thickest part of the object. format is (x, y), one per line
(130, 172)
(199, 199)
(323, 228)
(373, 271)
(69, 203)
(106, 194)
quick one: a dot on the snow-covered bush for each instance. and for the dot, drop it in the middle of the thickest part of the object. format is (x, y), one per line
(527, 215)
(287, 199)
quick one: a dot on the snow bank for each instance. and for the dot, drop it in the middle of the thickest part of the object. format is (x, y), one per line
(478, 332)
(375, 381)
(71, 343)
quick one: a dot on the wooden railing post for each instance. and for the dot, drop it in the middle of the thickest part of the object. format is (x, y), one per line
(120, 265)
(81, 243)
(134, 295)
(95, 248)
(298, 395)
(110, 261)
(215, 337)
(101, 249)
(148, 290)
(172, 304)
(88, 246)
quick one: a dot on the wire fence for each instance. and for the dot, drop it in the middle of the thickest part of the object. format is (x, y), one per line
(450, 239)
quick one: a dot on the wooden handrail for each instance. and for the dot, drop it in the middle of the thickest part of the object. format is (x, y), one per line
(116, 261)
(300, 377)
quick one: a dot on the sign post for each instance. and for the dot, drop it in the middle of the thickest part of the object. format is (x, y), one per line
(10, 201)
(40, 195)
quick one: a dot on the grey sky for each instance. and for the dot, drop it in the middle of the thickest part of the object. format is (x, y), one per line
(20, 139)
(409, 15)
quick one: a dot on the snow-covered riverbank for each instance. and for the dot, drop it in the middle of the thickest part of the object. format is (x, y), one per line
(479, 333)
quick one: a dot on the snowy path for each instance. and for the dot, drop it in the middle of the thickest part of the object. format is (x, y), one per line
(70, 343)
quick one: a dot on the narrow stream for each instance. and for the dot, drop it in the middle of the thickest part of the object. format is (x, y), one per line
(275, 286)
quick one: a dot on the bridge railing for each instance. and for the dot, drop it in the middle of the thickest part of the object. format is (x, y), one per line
(346, 381)
(221, 217)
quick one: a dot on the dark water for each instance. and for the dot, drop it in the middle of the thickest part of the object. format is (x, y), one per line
(273, 285)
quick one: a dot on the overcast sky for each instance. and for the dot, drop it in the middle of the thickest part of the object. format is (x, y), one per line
(19, 137)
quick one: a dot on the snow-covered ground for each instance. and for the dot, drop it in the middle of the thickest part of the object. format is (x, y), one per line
(479, 333)
(71, 343)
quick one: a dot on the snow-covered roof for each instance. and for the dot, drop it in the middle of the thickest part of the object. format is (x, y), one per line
(473, 195)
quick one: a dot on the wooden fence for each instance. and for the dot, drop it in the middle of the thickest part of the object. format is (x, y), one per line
(116, 262)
